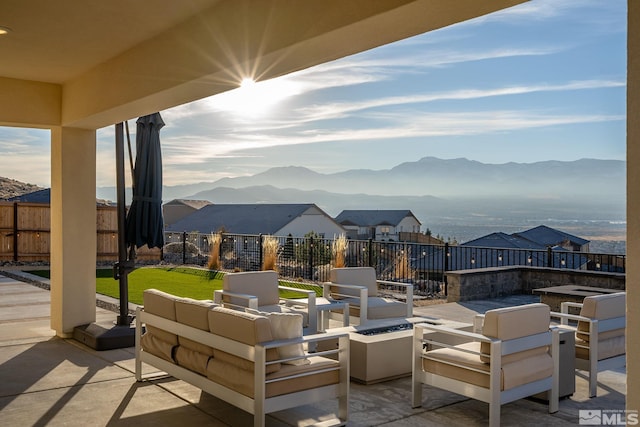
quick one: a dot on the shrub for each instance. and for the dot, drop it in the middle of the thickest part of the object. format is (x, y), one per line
(339, 251)
(269, 253)
(214, 253)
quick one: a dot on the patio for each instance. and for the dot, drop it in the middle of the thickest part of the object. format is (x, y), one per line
(48, 380)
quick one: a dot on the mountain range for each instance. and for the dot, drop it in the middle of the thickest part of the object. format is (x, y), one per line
(430, 176)
(453, 178)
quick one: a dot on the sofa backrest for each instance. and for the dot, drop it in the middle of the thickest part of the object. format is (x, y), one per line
(602, 307)
(247, 328)
(516, 322)
(161, 304)
(361, 276)
(261, 284)
(194, 313)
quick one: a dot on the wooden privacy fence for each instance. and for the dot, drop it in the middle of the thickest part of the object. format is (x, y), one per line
(25, 234)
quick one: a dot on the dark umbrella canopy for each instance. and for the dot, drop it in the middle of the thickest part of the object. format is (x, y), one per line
(144, 225)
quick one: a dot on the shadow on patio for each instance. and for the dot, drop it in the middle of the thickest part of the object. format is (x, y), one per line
(52, 381)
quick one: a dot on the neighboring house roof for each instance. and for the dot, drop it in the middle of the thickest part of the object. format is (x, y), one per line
(548, 236)
(196, 204)
(243, 218)
(39, 196)
(372, 218)
(503, 240)
(44, 197)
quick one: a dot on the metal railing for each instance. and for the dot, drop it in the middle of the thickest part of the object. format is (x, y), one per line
(424, 265)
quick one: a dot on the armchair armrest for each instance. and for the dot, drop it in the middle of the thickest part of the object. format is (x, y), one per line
(471, 336)
(408, 290)
(362, 297)
(310, 303)
(222, 297)
(478, 320)
(326, 290)
(565, 317)
(306, 292)
(310, 296)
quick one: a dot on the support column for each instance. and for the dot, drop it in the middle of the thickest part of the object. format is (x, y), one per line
(633, 204)
(73, 229)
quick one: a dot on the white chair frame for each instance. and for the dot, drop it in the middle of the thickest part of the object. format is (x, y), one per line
(363, 295)
(592, 365)
(492, 395)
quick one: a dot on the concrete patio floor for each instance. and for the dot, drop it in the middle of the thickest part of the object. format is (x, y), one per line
(45, 380)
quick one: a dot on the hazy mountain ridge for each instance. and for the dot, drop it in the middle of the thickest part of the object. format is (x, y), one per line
(431, 176)
(455, 178)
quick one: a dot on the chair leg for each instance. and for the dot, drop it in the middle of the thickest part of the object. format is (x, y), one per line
(416, 393)
(494, 414)
(593, 383)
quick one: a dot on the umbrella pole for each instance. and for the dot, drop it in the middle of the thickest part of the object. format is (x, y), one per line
(122, 267)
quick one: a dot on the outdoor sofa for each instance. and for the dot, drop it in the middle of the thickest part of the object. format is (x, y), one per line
(256, 362)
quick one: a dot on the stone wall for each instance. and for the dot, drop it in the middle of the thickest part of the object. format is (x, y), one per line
(487, 283)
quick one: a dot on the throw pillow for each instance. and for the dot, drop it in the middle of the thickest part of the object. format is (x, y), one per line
(286, 326)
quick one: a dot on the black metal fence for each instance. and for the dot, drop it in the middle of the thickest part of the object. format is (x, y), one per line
(424, 265)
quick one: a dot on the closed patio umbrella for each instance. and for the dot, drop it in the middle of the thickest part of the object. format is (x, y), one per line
(144, 224)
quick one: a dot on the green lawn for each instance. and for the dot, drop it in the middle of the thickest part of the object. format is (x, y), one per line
(181, 281)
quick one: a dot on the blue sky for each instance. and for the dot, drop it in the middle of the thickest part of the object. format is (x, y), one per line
(545, 80)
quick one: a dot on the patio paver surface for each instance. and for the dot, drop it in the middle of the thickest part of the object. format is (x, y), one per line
(46, 380)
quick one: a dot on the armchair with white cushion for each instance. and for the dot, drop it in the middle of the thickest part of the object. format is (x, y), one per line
(359, 287)
(600, 333)
(515, 356)
(260, 291)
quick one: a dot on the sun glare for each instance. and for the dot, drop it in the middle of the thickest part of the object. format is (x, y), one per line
(253, 98)
(247, 82)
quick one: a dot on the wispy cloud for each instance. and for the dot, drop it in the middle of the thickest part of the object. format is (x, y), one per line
(392, 126)
(341, 110)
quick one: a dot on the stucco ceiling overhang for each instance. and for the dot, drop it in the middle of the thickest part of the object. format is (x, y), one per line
(91, 64)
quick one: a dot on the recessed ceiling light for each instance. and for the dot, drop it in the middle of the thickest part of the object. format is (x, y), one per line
(4, 30)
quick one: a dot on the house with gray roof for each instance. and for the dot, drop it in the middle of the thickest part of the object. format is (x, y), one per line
(503, 240)
(273, 219)
(177, 209)
(540, 237)
(382, 225)
(549, 237)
